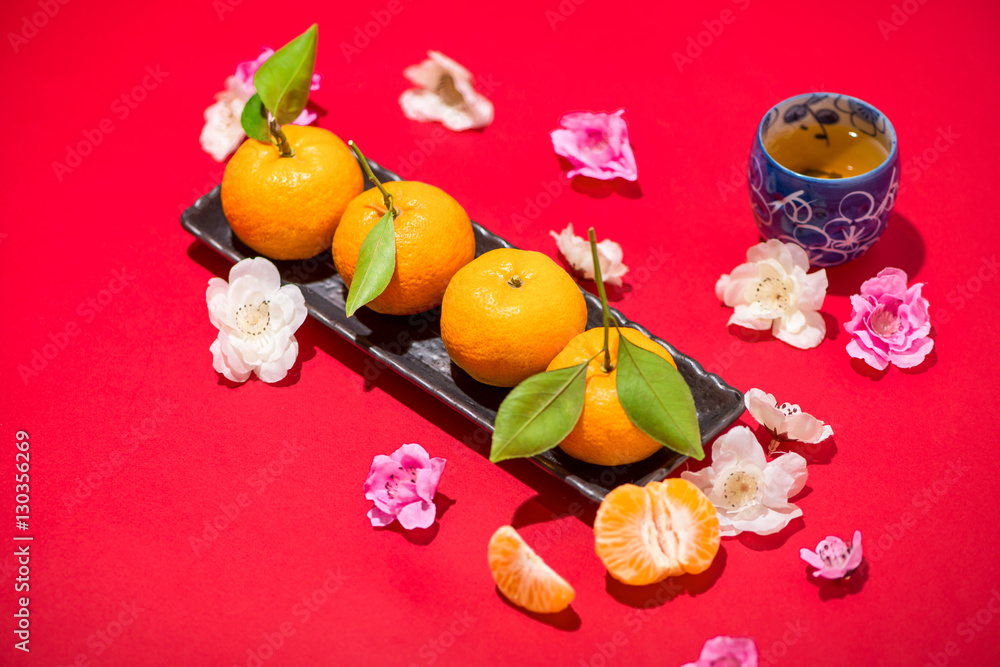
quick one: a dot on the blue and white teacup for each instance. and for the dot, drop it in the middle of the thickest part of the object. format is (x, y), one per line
(834, 219)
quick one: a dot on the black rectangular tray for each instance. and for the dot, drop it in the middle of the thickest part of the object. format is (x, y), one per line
(412, 347)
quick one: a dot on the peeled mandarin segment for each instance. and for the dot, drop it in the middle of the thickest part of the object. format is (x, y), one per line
(627, 539)
(693, 522)
(523, 577)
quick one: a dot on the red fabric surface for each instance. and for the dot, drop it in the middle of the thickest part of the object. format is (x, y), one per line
(136, 443)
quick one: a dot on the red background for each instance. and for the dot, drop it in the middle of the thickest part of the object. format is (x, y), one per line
(136, 443)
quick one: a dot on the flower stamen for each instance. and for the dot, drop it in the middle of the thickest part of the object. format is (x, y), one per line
(740, 489)
(253, 320)
(772, 295)
(883, 321)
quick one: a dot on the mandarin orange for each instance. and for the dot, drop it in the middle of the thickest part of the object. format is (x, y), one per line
(508, 313)
(434, 239)
(604, 435)
(289, 207)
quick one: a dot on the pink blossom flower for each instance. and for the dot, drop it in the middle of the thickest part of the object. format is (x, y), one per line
(785, 421)
(223, 132)
(445, 92)
(749, 492)
(577, 252)
(596, 145)
(833, 559)
(773, 291)
(723, 651)
(403, 485)
(889, 322)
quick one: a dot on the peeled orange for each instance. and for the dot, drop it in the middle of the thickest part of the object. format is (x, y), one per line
(524, 577)
(645, 534)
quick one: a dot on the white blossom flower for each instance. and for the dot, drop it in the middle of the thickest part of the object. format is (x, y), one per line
(223, 132)
(445, 93)
(749, 493)
(577, 252)
(256, 318)
(785, 421)
(773, 291)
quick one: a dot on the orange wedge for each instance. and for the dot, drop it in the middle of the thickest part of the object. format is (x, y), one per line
(645, 534)
(524, 577)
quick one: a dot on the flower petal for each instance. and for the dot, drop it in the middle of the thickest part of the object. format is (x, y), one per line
(855, 349)
(579, 255)
(805, 428)
(812, 558)
(379, 518)
(772, 521)
(261, 270)
(744, 316)
(784, 478)
(275, 371)
(227, 361)
(763, 408)
(418, 514)
(915, 355)
(740, 444)
(811, 335)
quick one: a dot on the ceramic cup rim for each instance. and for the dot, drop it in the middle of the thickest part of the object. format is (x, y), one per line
(890, 132)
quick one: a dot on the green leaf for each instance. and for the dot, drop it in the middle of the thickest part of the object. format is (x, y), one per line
(254, 119)
(657, 399)
(283, 80)
(539, 413)
(376, 262)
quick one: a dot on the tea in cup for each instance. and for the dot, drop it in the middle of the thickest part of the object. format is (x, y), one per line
(824, 173)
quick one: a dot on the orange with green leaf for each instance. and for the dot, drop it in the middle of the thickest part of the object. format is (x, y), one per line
(611, 397)
(399, 244)
(286, 187)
